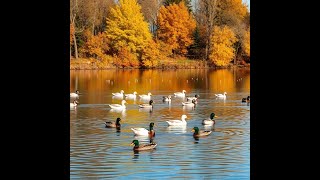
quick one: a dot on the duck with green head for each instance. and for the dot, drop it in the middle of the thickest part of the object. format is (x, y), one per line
(210, 121)
(144, 131)
(198, 133)
(112, 124)
(141, 147)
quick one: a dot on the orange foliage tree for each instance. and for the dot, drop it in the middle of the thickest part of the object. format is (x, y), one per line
(176, 27)
(125, 58)
(95, 46)
(246, 43)
(222, 45)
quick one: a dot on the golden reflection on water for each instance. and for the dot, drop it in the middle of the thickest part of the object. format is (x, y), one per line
(144, 81)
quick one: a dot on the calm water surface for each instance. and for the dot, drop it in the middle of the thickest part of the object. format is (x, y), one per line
(97, 152)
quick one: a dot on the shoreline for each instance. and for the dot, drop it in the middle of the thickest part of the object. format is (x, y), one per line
(91, 64)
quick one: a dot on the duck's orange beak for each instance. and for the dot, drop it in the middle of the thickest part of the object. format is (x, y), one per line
(192, 130)
(132, 144)
(216, 116)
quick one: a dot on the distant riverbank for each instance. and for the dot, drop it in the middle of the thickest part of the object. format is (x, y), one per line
(92, 64)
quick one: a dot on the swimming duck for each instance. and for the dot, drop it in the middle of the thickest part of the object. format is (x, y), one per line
(189, 104)
(112, 124)
(180, 94)
(133, 95)
(145, 96)
(191, 98)
(181, 122)
(144, 131)
(166, 98)
(221, 95)
(146, 105)
(118, 106)
(198, 133)
(210, 120)
(120, 94)
(74, 104)
(74, 95)
(141, 147)
(246, 99)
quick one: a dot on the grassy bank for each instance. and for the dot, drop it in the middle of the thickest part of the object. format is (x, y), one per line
(169, 63)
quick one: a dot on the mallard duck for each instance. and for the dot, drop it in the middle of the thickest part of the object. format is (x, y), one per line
(221, 95)
(246, 99)
(112, 124)
(75, 94)
(198, 133)
(210, 120)
(189, 104)
(74, 104)
(120, 94)
(118, 106)
(181, 122)
(180, 94)
(145, 96)
(144, 131)
(166, 98)
(146, 105)
(141, 147)
(195, 97)
(133, 95)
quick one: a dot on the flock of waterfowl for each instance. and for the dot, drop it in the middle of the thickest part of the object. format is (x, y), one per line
(191, 102)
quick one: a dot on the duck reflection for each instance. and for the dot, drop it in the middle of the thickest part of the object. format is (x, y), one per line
(121, 111)
(177, 129)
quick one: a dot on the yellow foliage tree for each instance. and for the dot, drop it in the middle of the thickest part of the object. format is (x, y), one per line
(222, 45)
(246, 43)
(176, 26)
(125, 58)
(126, 27)
(151, 54)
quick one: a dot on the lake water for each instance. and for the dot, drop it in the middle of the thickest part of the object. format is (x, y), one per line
(97, 152)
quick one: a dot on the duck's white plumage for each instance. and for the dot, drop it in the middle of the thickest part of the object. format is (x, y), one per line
(118, 106)
(221, 95)
(120, 94)
(210, 120)
(145, 96)
(133, 95)
(73, 104)
(181, 122)
(146, 105)
(140, 131)
(193, 98)
(74, 95)
(189, 104)
(180, 94)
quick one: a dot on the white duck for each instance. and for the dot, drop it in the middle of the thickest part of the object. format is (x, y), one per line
(74, 95)
(189, 104)
(210, 120)
(181, 122)
(191, 98)
(74, 104)
(120, 94)
(133, 95)
(166, 98)
(221, 95)
(145, 96)
(180, 94)
(118, 106)
(146, 105)
(144, 131)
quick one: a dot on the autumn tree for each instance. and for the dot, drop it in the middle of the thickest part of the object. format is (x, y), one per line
(151, 54)
(176, 26)
(95, 46)
(222, 45)
(126, 28)
(246, 43)
(150, 10)
(186, 2)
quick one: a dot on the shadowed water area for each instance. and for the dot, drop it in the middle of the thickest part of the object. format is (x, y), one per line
(97, 152)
